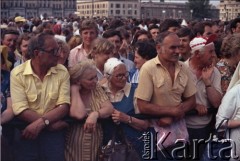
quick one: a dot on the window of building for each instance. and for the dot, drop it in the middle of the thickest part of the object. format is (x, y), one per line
(111, 5)
(123, 6)
(111, 12)
(135, 12)
(124, 12)
(129, 12)
(118, 5)
(117, 12)
(129, 5)
(135, 5)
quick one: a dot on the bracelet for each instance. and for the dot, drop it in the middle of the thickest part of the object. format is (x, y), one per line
(130, 120)
(208, 85)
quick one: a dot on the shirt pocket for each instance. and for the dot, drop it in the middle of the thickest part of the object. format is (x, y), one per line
(160, 85)
(32, 101)
(31, 97)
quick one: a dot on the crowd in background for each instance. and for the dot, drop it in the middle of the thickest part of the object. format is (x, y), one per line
(67, 83)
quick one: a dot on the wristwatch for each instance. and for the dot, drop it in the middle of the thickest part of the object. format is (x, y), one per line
(46, 121)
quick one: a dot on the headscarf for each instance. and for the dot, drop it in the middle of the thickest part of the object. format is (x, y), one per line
(111, 64)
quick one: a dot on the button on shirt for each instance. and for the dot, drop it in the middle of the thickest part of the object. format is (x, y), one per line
(29, 92)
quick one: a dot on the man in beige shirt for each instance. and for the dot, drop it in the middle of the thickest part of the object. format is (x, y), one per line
(164, 88)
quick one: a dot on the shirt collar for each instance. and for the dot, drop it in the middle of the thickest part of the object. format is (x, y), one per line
(158, 62)
(29, 71)
(80, 46)
(125, 90)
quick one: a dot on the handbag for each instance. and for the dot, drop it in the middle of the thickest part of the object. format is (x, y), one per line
(219, 147)
(167, 136)
(121, 151)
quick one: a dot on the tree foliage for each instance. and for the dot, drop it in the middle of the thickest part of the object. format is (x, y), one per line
(200, 8)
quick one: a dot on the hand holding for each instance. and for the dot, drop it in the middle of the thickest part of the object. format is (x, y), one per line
(165, 121)
(32, 130)
(202, 110)
(118, 117)
(90, 123)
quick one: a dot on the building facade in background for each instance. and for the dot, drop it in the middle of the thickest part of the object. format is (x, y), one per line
(162, 10)
(139, 9)
(229, 9)
(35, 8)
(109, 8)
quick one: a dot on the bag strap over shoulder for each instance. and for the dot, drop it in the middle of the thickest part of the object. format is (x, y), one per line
(222, 134)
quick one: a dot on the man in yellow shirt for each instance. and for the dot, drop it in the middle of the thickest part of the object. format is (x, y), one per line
(41, 96)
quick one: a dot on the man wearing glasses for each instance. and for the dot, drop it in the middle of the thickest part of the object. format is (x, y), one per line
(41, 97)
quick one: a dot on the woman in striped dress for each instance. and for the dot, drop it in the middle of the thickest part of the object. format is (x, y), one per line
(88, 104)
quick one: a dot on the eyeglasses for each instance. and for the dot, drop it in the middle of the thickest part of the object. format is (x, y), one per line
(121, 76)
(53, 51)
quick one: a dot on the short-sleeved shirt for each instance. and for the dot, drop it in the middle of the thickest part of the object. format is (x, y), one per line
(155, 84)
(76, 55)
(201, 97)
(29, 92)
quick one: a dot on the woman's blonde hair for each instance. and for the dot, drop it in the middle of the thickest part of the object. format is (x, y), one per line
(76, 72)
(74, 41)
(230, 45)
(100, 45)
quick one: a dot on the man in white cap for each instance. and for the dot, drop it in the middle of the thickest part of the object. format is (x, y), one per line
(208, 83)
(19, 20)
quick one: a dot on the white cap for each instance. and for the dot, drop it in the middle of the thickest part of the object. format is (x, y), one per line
(111, 64)
(199, 42)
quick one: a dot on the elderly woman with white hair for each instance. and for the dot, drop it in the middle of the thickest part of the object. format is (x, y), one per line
(89, 103)
(121, 94)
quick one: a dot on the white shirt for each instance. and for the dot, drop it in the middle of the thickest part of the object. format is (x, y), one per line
(230, 108)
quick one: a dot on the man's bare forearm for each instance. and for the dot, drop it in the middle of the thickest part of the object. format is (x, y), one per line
(156, 110)
(54, 115)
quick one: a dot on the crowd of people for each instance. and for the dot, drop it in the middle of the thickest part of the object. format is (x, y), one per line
(67, 83)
